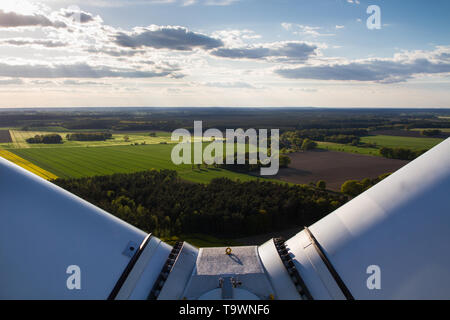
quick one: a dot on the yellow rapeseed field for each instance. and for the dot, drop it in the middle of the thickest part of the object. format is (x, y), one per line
(27, 165)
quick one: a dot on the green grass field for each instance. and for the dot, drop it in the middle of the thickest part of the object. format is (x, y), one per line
(91, 161)
(402, 142)
(347, 148)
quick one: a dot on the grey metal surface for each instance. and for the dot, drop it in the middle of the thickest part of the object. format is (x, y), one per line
(145, 270)
(242, 260)
(284, 288)
(317, 278)
(45, 229)
(180, 274)
(243, 264)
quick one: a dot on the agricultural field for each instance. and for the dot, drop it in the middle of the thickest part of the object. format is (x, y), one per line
(19, 140)
(402, 142)
(27, 165)
(335, 167)
(74, 159)
(126, 152)
(132, 151)
(92, 161)
(5, 136)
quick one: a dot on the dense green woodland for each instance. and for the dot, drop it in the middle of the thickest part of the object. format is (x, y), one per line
(354, 187)
(401, 153)
(161, 203)
(47, 139)
(431, 133)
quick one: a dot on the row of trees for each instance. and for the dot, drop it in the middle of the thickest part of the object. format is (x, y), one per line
(291, 141)
(431, 132)
(304, 139)
(47, 139)
(89, 136)
(162, 203)
(401, 153)
(356, 187)
(343, 138)
(333, 134)
(284, 162)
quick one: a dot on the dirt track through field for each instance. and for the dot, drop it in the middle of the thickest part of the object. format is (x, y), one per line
(335, 167)
(5, 136)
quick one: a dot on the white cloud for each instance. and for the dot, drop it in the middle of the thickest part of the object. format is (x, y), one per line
(12, 81)
(230, 85)
(166, 37)
(30, 42)
(235, 38)
(71, 82)
(77, 70)
(304, 30)
(122, 3)
(219, 2)
(402, 67)
(278, 51)
(188, 2)
(14, 20)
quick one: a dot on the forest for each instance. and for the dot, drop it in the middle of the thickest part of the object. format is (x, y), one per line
(138, 119)
(354, 187)
(161, 203)
(401, 153)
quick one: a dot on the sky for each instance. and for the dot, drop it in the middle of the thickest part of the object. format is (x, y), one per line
(230, 53)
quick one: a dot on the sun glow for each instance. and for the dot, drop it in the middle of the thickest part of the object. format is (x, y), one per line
(19, 6)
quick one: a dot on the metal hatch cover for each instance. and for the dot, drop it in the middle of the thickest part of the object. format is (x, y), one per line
(242, 264)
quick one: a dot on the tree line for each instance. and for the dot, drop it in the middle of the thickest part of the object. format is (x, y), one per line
(356, 187)
(401, 153)
(431, 132)
(292, 141)
(284, 162)
(47, 139)
(89, 136)
(305, 139)
(342, 135)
